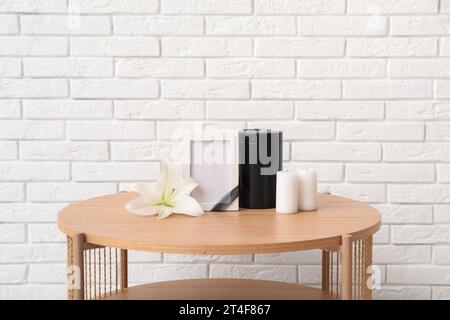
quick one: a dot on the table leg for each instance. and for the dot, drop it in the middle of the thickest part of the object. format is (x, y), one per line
(124, 268)
(75, 265)
(346, 267)
(346, 270)
(94, 271)
(367, 291)
(325, 270)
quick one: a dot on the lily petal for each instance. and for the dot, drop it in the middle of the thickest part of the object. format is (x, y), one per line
(147, 189)
(174, 175)
(170, 194)
(161, 184)
(186, 186)
(142, 205)
(164, 212)
(187, 205)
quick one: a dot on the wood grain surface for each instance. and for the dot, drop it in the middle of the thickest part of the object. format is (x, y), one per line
(221, 289)
(104, 221)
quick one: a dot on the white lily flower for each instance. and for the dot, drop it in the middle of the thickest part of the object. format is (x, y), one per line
(170, 194)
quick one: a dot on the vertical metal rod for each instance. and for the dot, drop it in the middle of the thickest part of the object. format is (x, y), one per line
(78, 262)
(355, 289)
(333, 284)
(356, 263)
(69, 262)
(90, 275)
(116, 271)
(85, 275)
(110, 271)
(368, 291)
(337, 273)
(359, 269)
(99, 273)
(346, 267)
(363, 269)
(95, 274)
(325, 270)
(104, 269)
(338, 269)
(331, 272)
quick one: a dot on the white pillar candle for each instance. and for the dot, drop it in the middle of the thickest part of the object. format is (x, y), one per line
(307, 186)
(287, 192)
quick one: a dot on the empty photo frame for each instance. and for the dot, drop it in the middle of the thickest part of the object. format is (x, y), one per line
(213, 163)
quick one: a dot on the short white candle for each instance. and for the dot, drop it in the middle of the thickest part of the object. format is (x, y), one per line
(307, 197)
(287, 192)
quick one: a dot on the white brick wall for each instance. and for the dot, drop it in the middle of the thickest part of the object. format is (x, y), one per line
(92, 90)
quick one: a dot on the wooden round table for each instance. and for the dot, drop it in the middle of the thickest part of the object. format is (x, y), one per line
(100, 231)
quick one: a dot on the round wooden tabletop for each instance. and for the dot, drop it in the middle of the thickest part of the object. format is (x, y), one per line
(106, 222)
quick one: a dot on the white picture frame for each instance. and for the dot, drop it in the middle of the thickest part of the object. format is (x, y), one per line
(202, 157)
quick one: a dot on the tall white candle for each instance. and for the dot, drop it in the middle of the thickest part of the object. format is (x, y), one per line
(307, 186)
(287, 192)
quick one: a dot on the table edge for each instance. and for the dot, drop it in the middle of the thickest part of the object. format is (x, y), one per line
(323, 243)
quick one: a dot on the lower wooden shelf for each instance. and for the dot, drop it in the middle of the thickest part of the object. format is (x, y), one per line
(220, 289)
